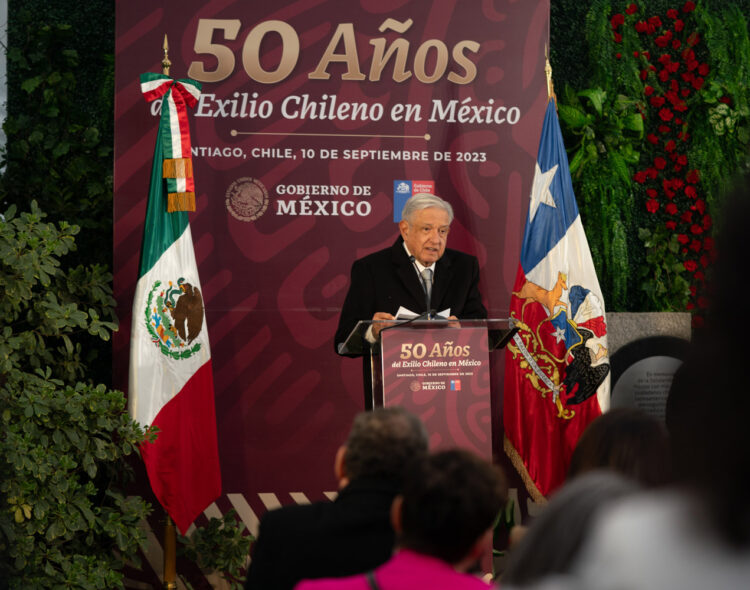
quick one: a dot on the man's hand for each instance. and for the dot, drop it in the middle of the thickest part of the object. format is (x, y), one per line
(380, 315)
(454, 324)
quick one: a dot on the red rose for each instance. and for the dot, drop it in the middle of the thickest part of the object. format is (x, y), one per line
(692, 64)
(698, 321)
(708, 244)
(664, 128)
(695, 245)
(670, 146)
(640, 177)
(682, 160)
(681, 106)
(679, 25)
(683, 239)
(651, 173)
(644, 74)
(690, 305)
(725, 100)
(656, 101)
(661, 41)
(671, 208)
(632, 9)
(698, 83)
(692, 290)
(678, 121)
(706, 221)
(651, 193)
(618, 38)
(703, 69)
(671, 225)
(677, 184)
(672, 13)
(648, 90)
(685, 92)
(699, 276)
(687, 76)
(690, 192)
(687, 217)
(664, 59)
(652, 138)
(689, 6)
(664, 75)
(702, 302)
(676, 43)
(646, 54)
(659, 163)
(690, 265)
(673, 67)
(694, 39)
(617, 20)
(700, 205)
(618, 55)
(641, 27)
(674, 86)
(652, 205)
(665, 114)
(704, 261)
(693, 177)
(677, 168)
(655, 21)
(688, 55)
(635, 54)
(696, 229)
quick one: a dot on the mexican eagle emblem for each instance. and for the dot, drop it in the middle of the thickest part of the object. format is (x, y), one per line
(174, 318)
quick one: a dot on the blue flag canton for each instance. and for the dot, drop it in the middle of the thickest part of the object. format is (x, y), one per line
(553, 206)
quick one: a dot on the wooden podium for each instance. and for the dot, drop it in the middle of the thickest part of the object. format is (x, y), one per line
(437, 369)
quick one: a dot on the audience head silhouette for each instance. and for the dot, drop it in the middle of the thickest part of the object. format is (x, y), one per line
(382, 444)
(626, 441)
(448, 505)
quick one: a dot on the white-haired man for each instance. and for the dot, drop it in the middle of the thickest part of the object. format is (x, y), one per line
(416, 272)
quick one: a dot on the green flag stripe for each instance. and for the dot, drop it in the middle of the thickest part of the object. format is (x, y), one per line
(161, 229)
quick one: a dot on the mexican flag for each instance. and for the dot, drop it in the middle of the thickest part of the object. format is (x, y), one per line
(171, 380)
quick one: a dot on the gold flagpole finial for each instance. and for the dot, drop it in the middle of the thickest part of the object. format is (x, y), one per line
(165, 63)
(548, 71)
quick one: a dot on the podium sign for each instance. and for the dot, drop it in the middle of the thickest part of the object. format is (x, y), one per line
(442, 375)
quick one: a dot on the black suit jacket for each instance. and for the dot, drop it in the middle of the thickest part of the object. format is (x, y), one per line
(349, 536)
(387, 279)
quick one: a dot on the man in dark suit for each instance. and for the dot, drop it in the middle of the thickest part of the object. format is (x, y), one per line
(417, 271)
(353, 534)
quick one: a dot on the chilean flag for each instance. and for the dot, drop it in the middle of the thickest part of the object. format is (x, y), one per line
(557, 365)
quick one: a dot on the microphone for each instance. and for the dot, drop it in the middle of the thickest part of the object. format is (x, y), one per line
(422, 316)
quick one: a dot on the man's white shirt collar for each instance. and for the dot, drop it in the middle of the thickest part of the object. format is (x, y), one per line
(420, 266)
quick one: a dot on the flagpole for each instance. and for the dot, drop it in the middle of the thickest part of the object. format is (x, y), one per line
(548, 72)
(170, 554)
(170, 533)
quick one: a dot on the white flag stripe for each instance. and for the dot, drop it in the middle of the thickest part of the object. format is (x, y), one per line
(155, 377)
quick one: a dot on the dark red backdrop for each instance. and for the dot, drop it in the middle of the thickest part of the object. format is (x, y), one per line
(273, 287)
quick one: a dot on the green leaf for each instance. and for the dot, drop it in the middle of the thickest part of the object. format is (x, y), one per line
(31, 84)
(596, 96)
(571, 116)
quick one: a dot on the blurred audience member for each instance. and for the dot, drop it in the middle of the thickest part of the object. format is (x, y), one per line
(697, 535)
(444, 524)
(553, 540)
(352, 534)
(628, 442)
